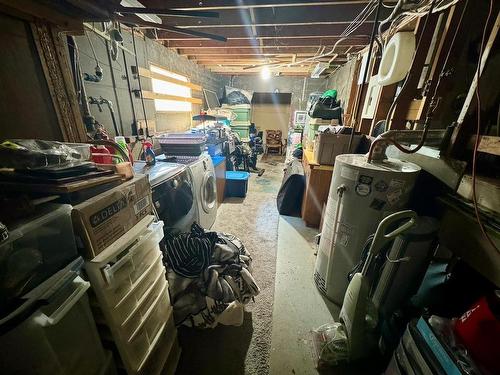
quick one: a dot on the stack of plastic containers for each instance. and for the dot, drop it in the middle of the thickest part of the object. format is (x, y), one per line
(241, 124)
(132, 301)
(46, 324)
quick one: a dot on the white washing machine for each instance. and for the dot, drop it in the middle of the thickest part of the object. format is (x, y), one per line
(205, 188)
(173, 193)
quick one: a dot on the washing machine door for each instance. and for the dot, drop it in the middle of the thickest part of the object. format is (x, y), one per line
(208, 191)
(173, 199)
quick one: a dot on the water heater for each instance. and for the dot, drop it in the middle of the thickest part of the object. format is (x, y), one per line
(361, 194)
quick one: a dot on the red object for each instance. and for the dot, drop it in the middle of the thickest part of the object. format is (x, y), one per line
(101, 155)
(479, 331)
(149, 155)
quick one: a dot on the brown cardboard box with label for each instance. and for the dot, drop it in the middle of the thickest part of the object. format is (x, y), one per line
(101, 220)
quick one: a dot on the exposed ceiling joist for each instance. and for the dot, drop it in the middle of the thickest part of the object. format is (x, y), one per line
(311, 50)
(275, 16)
(253, 26)
(281, 74)
(280, 37)
(245, 62)
(231, 4)
(260, 32)
(256, 56)
(296, 48)
(272, 32)
(264, 42)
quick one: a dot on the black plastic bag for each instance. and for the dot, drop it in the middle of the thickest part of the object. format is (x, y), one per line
(326, 108)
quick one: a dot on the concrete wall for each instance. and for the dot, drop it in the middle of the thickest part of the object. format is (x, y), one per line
(272, 116)
(284, 84)
(114, 83)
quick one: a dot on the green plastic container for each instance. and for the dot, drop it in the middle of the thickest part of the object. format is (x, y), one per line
(242, 114)
(243, 131)
(313, 129)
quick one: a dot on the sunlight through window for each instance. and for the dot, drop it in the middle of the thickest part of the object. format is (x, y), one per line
(170, 88)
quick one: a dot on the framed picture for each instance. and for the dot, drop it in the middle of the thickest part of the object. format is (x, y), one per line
(299, 118)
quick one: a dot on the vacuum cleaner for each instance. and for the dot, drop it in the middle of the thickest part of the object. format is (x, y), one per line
(353, 337)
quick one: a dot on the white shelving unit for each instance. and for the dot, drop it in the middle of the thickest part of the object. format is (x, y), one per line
(128, 279)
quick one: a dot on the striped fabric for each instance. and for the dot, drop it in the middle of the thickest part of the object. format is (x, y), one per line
(209, 275)
(189, 254)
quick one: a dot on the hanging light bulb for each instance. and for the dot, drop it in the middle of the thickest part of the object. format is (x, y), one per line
(265, 73)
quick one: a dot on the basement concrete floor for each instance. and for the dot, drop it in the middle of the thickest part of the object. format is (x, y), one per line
(299, 307)
(275, 336)
(245, 349)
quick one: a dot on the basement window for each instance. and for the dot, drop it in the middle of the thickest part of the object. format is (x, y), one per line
(164, 87)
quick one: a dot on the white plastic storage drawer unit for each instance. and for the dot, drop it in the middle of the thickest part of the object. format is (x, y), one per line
(35, 249)
(129, 281)
(53, 332)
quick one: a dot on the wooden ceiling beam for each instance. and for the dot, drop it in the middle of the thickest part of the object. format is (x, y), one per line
(265, 42)
(237, 63)
(221, 69)
(253, 56)
(245, 73)
(290, 24)
(276, 16)
(279, 47)
(312, 50)
(272, 33)
(257, 61)
(231, 4)
(249, 57)
(270, 37)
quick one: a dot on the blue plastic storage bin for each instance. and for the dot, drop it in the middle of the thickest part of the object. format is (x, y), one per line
(216, 160)
(236, 184)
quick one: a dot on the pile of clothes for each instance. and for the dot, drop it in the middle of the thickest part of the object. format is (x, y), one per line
(210, 277)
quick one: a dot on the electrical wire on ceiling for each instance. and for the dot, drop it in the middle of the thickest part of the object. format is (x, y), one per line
(478, 133)
(403, 11)
(439, 6)
(434, 99)
(360, 18)
(349, 30)
(430, 111)
(388, 6)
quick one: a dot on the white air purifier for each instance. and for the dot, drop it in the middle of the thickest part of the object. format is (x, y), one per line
(361, 195)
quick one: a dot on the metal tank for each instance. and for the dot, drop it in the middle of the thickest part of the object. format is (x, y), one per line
(361, 194)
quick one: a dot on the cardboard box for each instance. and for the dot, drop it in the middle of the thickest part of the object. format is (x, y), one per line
(101, 220)
(328, 146)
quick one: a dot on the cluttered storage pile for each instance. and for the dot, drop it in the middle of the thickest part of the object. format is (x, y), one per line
(91, 278)
(210, 278)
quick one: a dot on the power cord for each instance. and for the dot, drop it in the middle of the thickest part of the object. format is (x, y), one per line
(98, 70)
(478, 134)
